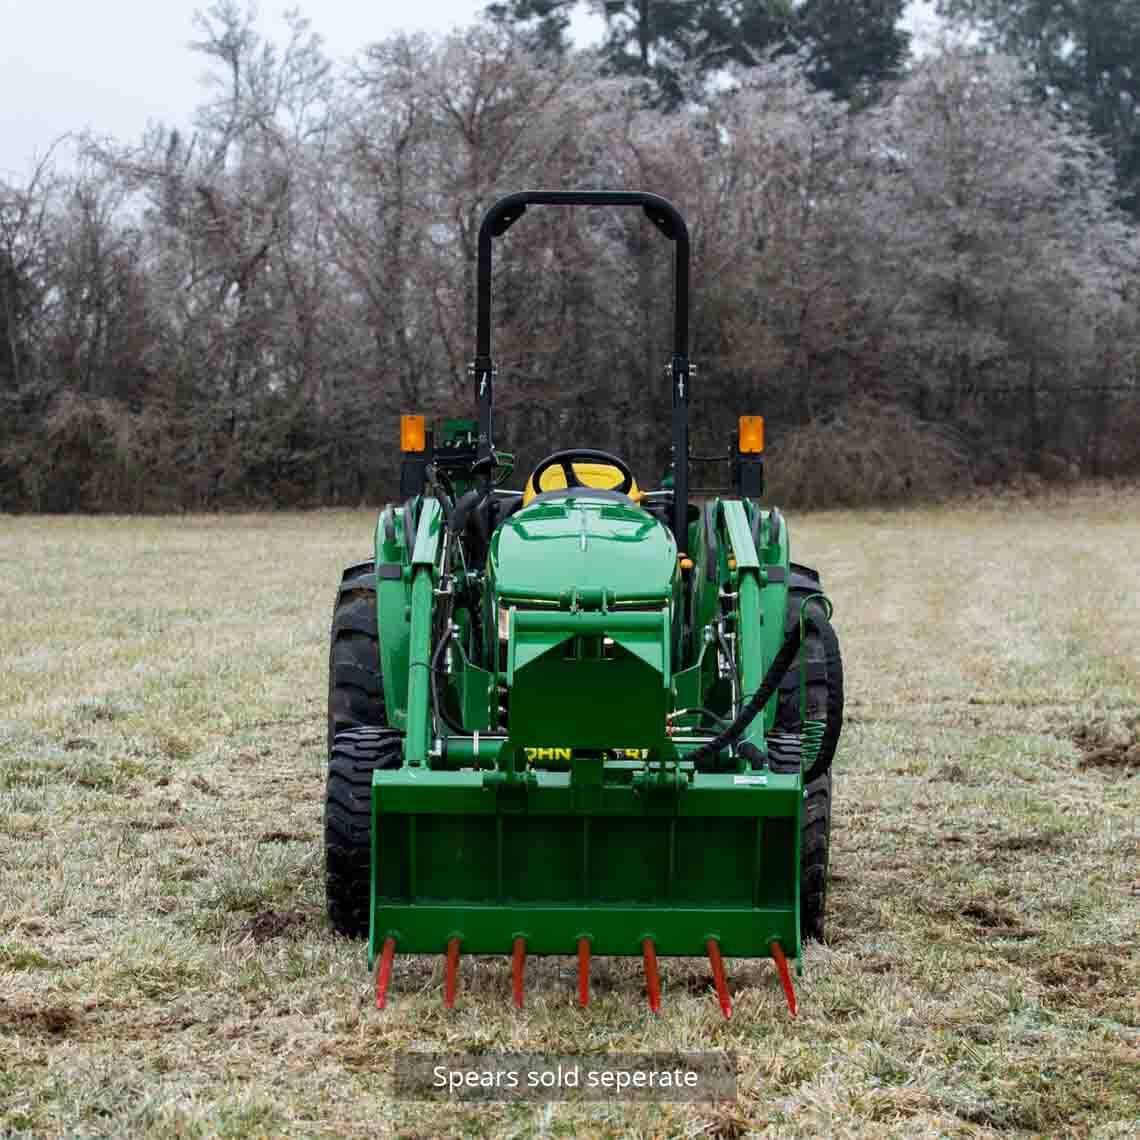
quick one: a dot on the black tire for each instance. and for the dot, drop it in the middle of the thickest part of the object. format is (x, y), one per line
(824, 677)
(824, 684)
(356, 688)
(815, 836)
(355, 755)
(815, 833)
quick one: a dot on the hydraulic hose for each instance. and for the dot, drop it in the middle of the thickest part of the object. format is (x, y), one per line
(775, 674)
(467, 502)
(437, 704)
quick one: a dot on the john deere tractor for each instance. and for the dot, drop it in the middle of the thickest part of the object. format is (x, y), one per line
(588, 717)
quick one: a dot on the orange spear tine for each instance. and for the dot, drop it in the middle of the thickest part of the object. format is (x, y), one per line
(384, 972)
(652, 983)
(518, 967)
(717, 963)
(583, 972)
(785, 976)
(452, 970)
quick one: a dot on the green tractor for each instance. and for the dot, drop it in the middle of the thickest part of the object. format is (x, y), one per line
(587, 717)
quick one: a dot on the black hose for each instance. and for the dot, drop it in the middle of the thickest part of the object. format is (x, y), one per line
(467, 502)
(699, 709)
(433, 672)
(469, 522)
(760, 698)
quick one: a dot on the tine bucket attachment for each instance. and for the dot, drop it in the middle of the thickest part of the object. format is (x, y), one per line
(451, 972)
(717, 963)
(785, 976)
(384, 972)
(583, 972)
(518, 970)
(652, 982)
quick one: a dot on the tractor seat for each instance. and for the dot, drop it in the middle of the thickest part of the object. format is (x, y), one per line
(598, 476)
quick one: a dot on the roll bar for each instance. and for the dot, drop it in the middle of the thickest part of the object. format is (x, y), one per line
(666, 217)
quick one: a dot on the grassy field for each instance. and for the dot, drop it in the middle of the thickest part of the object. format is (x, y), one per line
(166, 968)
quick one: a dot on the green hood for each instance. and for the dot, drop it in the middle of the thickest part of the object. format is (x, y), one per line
(551, 549)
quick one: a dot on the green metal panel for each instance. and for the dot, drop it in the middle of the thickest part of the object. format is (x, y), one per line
(428, 534)
(709, 794)
(477, 689)
(643, 634)
(559, 701)
(424, 555)
(553, 550)
(739, 534)
(743, 932)
(774, 599)
(615, 664)
(393, 597)
(755, 648)
(688, 689)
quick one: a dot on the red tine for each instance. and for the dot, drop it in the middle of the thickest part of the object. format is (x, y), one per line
(452, 970)
(583, 972)
(518, 967)
(785, 976)
(384, 973)
(717, 963)
(652, 984)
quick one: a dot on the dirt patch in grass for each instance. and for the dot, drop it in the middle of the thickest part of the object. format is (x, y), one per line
(1125, 754)
(1045, 1096)
(273, 924)
(1052, 839)
(161, 823)
(1094, 978)
(27, 1019)
(879, 964)
(1104, 745)
(284, 837)
(990, 918)
(952, 774)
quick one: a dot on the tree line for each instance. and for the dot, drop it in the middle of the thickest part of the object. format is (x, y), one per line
(923, 273)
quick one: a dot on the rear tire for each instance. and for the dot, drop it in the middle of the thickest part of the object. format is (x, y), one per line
(824, 682)
(355, 755)
(824, 685)
(356, 687)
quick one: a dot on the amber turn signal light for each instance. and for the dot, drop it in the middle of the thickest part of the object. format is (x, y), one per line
(412, 433)
(751, 435)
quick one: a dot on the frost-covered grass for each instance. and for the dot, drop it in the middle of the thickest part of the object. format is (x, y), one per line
(165, 965)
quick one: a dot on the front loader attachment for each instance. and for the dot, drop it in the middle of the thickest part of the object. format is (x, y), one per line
(610, 857)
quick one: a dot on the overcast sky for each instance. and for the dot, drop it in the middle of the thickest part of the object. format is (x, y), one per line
(115, 65)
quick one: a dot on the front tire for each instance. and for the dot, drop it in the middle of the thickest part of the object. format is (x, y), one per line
(815, 842)
(360, 742)
(356, 754)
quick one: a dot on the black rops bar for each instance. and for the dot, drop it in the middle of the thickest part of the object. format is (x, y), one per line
(665, 216)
